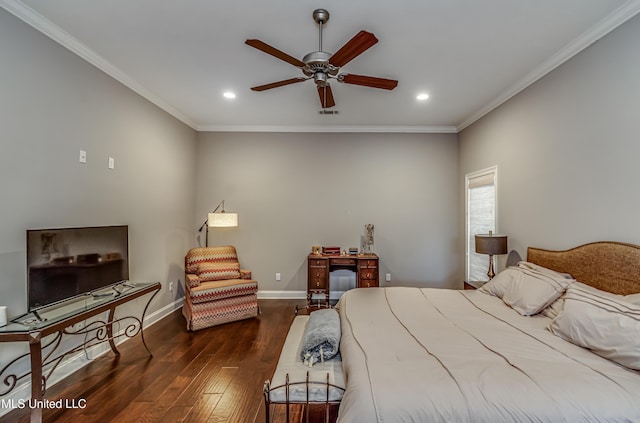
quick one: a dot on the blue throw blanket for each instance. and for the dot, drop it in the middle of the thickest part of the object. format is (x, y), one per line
(321, 338)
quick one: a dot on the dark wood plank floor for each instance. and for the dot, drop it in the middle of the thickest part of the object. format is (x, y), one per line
(213, 375)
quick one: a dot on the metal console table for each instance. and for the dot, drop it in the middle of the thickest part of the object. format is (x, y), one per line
(59, 320)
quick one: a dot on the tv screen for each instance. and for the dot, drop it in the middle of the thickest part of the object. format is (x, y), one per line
(66, 262)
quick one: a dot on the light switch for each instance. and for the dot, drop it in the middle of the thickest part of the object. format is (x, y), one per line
(83, 156)
(112, 163)
(278, 276)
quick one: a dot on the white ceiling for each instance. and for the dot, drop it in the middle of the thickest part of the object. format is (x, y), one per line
(469, 55)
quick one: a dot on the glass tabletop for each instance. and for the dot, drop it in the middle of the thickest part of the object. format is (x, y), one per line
(55, 313)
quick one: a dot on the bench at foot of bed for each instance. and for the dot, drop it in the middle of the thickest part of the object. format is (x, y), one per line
(293, 383)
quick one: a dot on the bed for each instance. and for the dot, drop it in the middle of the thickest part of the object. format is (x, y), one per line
(435, 355)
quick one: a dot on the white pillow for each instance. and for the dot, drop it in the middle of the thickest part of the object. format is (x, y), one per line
(556, 307)
(527, 288)
(607, 325)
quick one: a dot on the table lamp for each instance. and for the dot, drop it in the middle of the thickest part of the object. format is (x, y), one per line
(491, 245)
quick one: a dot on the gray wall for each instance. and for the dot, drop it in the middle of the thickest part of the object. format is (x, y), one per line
(567, 150)
(295, 190)
(53, 104)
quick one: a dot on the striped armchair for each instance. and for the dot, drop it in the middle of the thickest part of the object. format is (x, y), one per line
(216, 289)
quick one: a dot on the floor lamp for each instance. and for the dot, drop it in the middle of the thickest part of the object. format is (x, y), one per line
(218, 220)
(493, 245)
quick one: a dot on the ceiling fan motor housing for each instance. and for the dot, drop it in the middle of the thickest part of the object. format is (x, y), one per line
(317, 66)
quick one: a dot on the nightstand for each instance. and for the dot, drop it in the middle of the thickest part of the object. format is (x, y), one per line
(473, 284)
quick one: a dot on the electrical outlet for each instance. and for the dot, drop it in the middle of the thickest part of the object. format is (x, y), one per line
(170, 286)
(278, 276)
(82, 157)
(387, 277)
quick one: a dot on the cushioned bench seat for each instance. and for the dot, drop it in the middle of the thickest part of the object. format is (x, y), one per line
(290, 366)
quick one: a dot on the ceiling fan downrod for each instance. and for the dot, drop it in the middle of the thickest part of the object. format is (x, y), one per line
(317, 64)
(321, 16)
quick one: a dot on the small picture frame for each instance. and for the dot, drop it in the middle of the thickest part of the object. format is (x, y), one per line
(315, 250)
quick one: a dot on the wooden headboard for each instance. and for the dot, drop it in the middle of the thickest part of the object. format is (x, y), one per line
(609, 266)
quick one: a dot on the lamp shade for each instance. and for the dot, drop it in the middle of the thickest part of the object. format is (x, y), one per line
(223, 220)
(491, 244)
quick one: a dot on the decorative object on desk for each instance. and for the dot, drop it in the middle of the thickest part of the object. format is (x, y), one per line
(218, 220)
(331, 251)
(366, 241)
(315, 250)
(491, 245)
(353, 251)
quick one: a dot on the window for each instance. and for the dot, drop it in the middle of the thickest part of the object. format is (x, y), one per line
(480, 218)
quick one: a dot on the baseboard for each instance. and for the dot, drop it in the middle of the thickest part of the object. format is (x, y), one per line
(77, 361)
(282, 295)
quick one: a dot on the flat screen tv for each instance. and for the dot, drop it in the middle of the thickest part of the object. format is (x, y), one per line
(67, 262)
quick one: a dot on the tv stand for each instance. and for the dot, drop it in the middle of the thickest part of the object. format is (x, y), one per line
(59, 320)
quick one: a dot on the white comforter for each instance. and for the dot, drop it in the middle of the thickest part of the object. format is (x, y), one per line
(435, 355)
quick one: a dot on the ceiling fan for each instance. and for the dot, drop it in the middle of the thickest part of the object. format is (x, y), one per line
(322, 66)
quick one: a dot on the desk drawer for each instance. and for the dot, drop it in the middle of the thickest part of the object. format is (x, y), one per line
(368, 283)
(368, 263)
(343, 261)
(318, 263)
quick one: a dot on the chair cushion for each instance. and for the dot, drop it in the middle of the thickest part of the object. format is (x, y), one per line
(200, 316)
(217, 290)
(195, 256)
(218, 271)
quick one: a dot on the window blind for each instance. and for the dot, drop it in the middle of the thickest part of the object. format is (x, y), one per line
(481, 218)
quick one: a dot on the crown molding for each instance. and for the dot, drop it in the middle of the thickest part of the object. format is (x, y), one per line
(331, 128)
(602, 28)
(40, 23)
(45, 26)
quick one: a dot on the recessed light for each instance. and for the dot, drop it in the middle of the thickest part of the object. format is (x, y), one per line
(422, 96)
(229, 95)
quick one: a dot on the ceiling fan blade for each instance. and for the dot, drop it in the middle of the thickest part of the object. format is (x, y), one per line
(368, 81)
(362, 41)
(278, 84)
(326, 96)
(262, 46)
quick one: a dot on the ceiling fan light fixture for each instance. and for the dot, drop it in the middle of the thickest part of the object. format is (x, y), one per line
(422, 97)
(229, 95)
(320, 79)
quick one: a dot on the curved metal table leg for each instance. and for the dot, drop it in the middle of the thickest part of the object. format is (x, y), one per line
(144, 312)
(110, 318)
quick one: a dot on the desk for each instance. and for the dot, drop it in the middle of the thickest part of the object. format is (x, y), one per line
(319, 266)
(59, 320)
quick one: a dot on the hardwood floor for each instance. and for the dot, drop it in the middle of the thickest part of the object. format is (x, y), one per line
(213, 375)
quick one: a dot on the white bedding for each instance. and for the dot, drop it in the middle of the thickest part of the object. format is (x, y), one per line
(435, 355)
